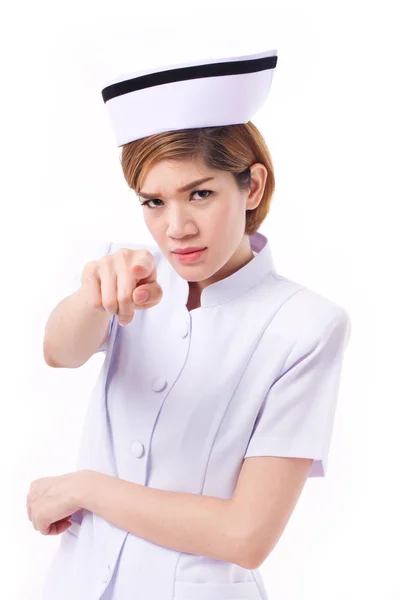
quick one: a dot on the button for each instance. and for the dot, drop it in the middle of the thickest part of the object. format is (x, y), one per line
(183, 329)
(137, 449)
(106, 574)
(179, 322)
(159, 384)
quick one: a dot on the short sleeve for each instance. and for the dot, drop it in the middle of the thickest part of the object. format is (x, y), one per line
(297, 415)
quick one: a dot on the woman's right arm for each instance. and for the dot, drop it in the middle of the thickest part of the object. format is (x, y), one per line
(74, 331)
(78, 326)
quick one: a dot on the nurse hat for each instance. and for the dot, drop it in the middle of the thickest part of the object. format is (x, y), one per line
(222, 91)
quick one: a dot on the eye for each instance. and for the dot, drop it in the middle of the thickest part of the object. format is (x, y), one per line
(208, 192)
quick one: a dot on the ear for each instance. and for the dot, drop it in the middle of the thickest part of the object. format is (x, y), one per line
(259, 176)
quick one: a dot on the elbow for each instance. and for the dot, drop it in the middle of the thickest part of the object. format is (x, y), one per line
(52, 363)
(246, 551)
(49, 362)
(255, 549)
(47, 356)
(251, 557)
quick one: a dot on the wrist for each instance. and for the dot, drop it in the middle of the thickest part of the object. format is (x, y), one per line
(85, 484)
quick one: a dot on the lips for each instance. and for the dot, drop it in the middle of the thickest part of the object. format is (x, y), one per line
(188, 250)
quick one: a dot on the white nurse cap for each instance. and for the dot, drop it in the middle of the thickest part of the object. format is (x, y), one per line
(223, 91)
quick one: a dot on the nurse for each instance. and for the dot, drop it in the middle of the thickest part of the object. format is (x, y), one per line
(216, 402)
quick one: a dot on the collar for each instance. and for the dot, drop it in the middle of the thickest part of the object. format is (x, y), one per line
(239, 282)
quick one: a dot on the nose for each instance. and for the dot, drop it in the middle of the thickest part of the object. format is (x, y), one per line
(179, 223)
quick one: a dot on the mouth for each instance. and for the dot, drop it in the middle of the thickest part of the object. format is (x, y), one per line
(188, 257)
(189, 251)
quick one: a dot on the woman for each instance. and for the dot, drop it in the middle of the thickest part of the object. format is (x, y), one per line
(214, 406)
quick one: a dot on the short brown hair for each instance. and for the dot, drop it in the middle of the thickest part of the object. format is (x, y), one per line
(231, 148)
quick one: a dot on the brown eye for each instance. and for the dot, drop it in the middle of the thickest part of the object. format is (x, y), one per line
(209, 192)
(147, 203)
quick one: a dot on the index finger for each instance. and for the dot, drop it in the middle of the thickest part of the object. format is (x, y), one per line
(144, 268)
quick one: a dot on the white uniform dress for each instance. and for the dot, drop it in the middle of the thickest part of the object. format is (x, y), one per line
(181, 399)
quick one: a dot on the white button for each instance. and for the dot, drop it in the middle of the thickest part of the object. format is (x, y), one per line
(183, 329)
(137, 449)
(159, 384)
(106, 574)
(179, 323)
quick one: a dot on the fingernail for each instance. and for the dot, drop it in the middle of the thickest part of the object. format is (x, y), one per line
(142, 296)
(142, 266)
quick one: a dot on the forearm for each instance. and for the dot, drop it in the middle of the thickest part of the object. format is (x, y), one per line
(185, 522)
(74, 331)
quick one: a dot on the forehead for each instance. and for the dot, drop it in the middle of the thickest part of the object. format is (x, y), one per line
(175, 169)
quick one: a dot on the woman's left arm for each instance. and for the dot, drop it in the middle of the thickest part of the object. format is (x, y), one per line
(185, 522)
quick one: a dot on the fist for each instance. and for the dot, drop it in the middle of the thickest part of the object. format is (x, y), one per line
(116, 283)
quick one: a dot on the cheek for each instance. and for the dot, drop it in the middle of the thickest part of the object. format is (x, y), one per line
(230, 211)
(155, 227)
(148, 219)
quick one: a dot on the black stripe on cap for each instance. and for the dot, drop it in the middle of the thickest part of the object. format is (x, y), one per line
(237, 67)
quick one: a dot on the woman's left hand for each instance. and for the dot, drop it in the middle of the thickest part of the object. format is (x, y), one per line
(52, 500)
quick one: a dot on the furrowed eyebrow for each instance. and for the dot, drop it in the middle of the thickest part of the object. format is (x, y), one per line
(185, 188)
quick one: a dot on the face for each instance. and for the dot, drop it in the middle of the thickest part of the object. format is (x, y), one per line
(210, 215)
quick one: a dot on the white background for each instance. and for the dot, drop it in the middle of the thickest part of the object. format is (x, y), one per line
(331, 124)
